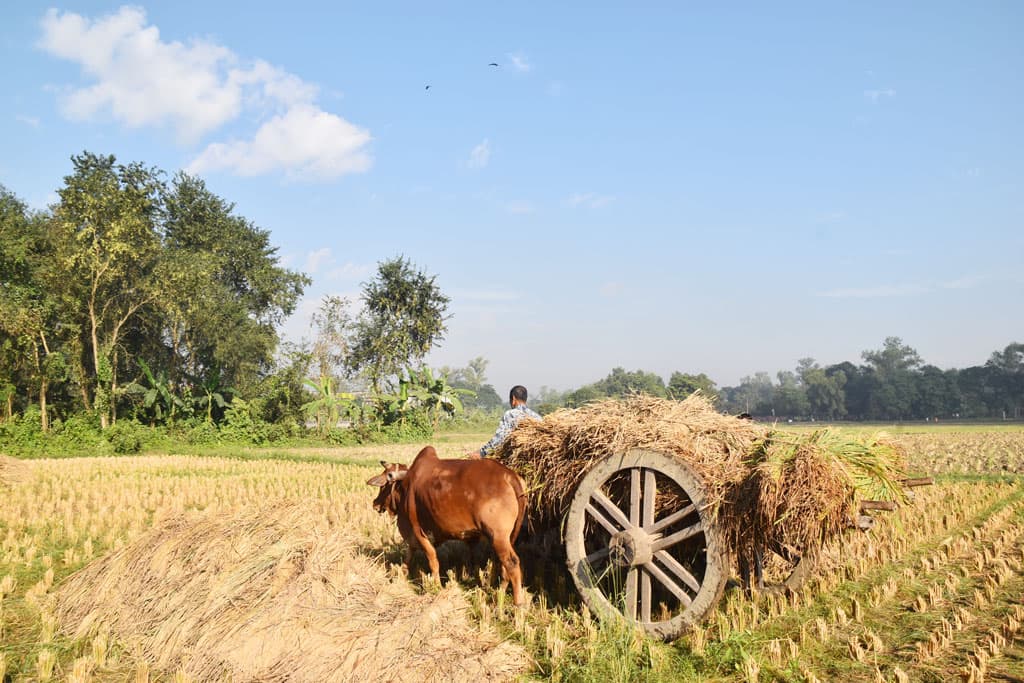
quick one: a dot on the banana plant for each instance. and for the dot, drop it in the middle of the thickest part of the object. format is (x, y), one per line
(157, 397)
(328, 405)
(213, 395)
(436, 394)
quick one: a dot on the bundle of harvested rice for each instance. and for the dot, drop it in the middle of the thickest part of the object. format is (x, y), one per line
(764, 488)
(277, 594)
(555, 453)
(804, 488)
(12, 471)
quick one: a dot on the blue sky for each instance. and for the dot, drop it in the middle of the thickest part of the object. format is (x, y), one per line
(720, 187)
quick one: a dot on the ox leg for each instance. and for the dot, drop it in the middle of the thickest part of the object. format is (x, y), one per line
(431, 553)
(510, 567)
(409, 548)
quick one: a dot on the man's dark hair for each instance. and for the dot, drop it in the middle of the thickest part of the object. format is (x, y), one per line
(519, 392)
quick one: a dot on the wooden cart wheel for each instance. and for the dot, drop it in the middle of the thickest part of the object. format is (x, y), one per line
(640, 543)
(777, 569)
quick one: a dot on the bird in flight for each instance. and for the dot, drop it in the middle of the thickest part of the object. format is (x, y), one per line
(494, 64)
(427, 88)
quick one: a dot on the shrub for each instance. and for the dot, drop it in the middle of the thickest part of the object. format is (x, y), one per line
(240, 425)
(126, 436)
(202, 433)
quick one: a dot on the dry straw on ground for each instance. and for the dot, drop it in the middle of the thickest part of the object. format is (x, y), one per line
(278, 594)
(764, 487)
(12, 471)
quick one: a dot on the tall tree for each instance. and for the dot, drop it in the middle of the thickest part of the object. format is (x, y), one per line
(825, 395)
(33, 314)
(403, 318)
(790, 395)
(226, 292)
(109, 244)
(892, 371)
(1008, 379)
(333, 324)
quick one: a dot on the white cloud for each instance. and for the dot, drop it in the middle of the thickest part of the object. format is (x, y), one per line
(305, 141)
(519, 206)
(481, 155)
(519, 62)
(27, 120)
(589, 200)
(138, 79)
(351, 271)
(875, 95)
(141, 79)
(317, 258)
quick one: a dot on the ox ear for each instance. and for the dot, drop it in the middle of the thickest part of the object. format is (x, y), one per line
(379, 480)
(396, 475)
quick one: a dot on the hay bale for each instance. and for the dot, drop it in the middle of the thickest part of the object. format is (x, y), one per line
(765, 487)
(12, 471)
(277, 594)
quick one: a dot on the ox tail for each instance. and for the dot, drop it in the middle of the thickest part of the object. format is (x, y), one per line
(520, 488)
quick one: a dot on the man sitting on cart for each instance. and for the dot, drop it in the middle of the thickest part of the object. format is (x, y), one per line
(509, 421)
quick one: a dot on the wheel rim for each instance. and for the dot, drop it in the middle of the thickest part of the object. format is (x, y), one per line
(640, 542)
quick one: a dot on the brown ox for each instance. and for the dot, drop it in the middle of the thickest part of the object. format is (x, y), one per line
(455, 499)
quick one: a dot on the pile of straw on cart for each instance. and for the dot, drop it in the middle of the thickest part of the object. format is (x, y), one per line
(762, 485)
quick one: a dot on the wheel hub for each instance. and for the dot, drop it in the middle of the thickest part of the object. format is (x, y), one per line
(630, 548)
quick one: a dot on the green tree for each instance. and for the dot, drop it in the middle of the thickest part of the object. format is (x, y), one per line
(892, 374)
(755, 395)
(109, 245)
(681, 385)
(403, 318)
(1007, 368)
(790, 396)
(34, 318)
(224, 292)
(473, 378)
(825, 395)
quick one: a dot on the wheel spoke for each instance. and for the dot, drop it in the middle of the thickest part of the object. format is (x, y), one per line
(597, 556)
(634, 496)
(611, 508)
(645, 597)
(672, 564)
(631, 581)
(674, 588)
(666, 522)
(650, 494)
(682, 535)
(602, 520)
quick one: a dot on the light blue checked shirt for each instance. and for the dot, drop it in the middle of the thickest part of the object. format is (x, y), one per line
(508, 422)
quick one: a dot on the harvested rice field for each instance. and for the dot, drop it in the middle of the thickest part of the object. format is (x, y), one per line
(274, 567)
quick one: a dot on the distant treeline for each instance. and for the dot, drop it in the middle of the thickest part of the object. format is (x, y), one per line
(892, 383)
(147, 298)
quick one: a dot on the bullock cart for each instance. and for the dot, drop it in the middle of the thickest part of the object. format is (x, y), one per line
(660, 503)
